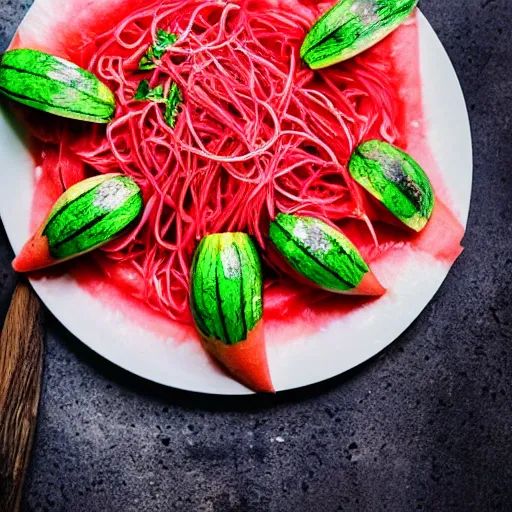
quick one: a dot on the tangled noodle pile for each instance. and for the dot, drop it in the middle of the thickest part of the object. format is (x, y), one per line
(257, 131)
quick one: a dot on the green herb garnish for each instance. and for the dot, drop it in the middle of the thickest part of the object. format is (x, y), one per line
(157, 95)
(171, 109)
(164, 40)
(144, 92)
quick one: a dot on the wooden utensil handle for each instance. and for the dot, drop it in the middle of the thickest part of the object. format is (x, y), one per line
(21, 362)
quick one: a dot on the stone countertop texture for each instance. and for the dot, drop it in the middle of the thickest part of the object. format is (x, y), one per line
(426, 425)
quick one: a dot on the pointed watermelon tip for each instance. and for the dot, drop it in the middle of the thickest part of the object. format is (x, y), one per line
(246, 360)
(34, 255)
(370, 286)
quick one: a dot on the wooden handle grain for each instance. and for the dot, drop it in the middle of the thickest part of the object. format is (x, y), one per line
(21, 362)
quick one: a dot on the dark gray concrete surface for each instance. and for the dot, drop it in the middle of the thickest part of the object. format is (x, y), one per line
(426, 425)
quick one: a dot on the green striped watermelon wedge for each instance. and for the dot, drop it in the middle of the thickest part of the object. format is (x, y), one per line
(88, 215)
(55, 85)
(323, 256)
(226, 291)
(395, 179)
(351, 27)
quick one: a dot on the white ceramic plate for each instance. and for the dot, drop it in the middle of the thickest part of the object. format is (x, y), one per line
(344, 344)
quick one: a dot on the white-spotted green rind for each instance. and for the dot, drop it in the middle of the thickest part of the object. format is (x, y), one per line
(394, 178)
(55, 85)
(226, 287)
(318, 252)
(91, 214)
(351, 27)
(76, 191)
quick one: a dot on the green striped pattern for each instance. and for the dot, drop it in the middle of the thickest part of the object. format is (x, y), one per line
(351, 27)
(55, 85)
(318, 252)
(94, 217)
(396, 180)
(226, 287)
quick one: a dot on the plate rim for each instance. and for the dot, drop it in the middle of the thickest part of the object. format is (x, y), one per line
(68, 324)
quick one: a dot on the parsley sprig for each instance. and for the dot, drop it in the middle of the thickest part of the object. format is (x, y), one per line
(156, 51)
(171, 100)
